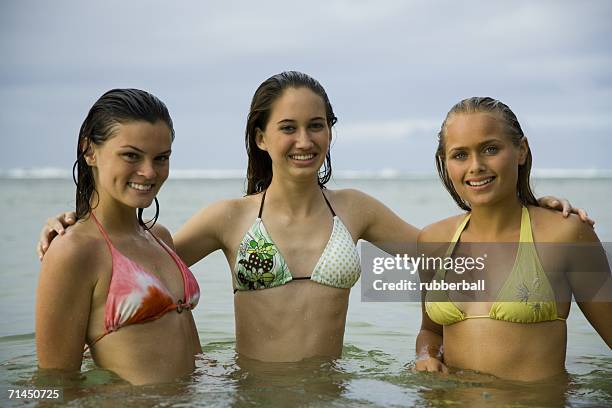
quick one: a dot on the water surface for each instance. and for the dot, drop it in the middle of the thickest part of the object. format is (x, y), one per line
(375, 368)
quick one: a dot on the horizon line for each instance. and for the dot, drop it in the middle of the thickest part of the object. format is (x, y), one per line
(379, 174)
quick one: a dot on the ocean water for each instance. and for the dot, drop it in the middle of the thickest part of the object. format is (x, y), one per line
(375, 368)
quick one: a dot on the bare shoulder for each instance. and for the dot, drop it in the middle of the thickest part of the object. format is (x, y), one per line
(550, 226)
(162, 233)
(441, 231)
(355, 206)
(231, 209)
(243, 205)
(214, 227)
(352, 199)
(78, 242)
(75, 252)
(345, 194)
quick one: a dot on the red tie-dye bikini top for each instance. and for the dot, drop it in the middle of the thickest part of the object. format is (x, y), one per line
(137, 296)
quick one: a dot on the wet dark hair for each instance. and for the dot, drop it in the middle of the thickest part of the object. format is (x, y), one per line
(513, 129)
(259, 169)
(117, 106)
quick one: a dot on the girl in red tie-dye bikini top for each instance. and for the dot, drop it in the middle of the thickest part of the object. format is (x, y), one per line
(137, 296)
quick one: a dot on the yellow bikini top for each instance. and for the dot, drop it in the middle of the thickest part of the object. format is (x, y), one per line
(527, 283)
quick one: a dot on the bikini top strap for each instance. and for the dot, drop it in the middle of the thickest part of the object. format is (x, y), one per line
(460, 229)
(162, 244)
(104, 234)
(526, 233)
(177, 260)
(263, 198)
(328, 204)
(457, 235)
(452, 244)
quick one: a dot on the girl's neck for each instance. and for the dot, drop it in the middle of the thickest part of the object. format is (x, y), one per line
(496, 221)
(117, 219)
(295, 197)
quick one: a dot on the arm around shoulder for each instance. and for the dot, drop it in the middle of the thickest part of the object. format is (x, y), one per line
(63, 301)
(203, 233)
(380, 225)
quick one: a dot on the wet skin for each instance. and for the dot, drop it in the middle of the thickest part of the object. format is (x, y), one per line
(128, 169)
(482, 163)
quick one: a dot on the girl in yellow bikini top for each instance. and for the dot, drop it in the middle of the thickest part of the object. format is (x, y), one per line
(527, 283)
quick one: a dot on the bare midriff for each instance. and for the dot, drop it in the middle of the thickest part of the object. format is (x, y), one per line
(514, 351)
(298, 320)
(152, 352)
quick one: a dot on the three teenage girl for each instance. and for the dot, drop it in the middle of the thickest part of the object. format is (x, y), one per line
(289, 243)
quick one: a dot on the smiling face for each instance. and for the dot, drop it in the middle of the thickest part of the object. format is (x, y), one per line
(131, 166)
(297, 135)
(481, 160)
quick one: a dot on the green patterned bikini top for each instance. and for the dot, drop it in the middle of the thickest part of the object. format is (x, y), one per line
(260, 265)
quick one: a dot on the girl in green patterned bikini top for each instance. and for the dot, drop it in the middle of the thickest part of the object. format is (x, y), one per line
(260, 265)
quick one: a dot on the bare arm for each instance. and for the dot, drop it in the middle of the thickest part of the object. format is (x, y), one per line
(384, 227)
(429, 352)
(57, 226)
(598, 314)
(63, 302)
(203, 233)
(590, 280)
(381, 226)
(429, 341)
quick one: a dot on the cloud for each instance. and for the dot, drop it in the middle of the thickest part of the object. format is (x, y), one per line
(387, 130)
(392, 69)
(576, 122)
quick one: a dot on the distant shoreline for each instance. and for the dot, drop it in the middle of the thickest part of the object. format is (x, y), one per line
(236, 174)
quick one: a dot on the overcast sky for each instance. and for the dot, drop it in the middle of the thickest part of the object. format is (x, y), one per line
(392, 70)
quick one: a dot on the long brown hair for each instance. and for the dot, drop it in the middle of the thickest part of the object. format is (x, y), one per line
(259, 169)
(513, 128)
(115, 107)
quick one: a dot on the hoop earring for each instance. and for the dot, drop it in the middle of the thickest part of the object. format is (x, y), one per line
(146, 225)
(259, 186)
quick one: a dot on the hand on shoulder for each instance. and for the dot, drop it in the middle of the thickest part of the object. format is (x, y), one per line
(552, 226)
(75, 254)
